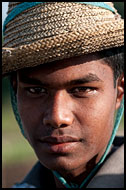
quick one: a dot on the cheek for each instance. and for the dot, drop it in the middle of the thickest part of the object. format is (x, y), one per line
(30, 115)
(97, 120)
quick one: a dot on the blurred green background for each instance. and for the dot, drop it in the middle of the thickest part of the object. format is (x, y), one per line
(15, 149)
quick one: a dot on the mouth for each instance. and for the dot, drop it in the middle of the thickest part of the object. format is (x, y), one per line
(59, 139)
(59, 144)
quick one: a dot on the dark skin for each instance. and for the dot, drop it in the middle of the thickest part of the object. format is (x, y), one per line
(74, 99)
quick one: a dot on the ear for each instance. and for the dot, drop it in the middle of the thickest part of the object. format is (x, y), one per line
(120, 91)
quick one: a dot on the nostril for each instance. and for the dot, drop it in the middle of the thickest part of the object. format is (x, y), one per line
(54, 125)
(63, 125)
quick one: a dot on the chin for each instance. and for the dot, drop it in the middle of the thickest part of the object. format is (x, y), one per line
(59, 164)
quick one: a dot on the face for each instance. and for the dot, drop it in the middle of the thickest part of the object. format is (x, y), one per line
(67, 110)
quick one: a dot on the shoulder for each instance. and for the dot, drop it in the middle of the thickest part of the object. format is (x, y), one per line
(111, 174)
(38, 177)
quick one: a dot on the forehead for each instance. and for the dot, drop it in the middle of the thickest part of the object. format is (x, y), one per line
(69, 69)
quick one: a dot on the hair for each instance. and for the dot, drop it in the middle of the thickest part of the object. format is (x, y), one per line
(115, 59)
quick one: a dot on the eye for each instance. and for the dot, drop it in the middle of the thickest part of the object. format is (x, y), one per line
(36, 90)
(83, 91)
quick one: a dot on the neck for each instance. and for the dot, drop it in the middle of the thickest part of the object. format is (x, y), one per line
(77, 175)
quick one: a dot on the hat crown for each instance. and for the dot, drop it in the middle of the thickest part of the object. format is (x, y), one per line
(42, 32)
(42, 20)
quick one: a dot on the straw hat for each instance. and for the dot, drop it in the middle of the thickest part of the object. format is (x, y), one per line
(40, 32)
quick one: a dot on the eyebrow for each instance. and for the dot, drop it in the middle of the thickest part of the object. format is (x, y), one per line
(86, 79)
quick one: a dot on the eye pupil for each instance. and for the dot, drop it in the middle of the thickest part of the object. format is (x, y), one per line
(37, 90)
(80, 89)
(83, 91)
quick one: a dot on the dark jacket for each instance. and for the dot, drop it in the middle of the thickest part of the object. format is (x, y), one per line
(110, 174)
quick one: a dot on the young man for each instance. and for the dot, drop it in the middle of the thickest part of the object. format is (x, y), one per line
(65, 62)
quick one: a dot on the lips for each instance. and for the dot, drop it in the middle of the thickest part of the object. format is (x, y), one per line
(59, 144)
(58, 139)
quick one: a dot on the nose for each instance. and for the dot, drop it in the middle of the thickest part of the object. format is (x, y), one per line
(59, 112)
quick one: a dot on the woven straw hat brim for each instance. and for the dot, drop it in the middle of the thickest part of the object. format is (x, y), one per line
(59, 31)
